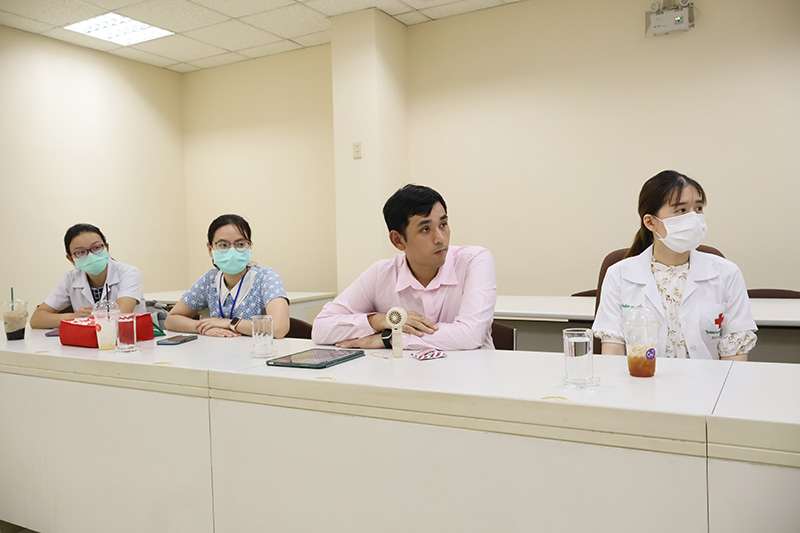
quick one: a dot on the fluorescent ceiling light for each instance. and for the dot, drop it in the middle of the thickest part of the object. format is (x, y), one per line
(118, 29)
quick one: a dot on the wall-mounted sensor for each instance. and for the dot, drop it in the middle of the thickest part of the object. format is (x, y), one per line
(655, 7)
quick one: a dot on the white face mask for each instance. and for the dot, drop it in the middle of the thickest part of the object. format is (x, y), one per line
(684, 232)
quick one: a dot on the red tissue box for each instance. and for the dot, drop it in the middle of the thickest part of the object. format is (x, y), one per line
(81, 331)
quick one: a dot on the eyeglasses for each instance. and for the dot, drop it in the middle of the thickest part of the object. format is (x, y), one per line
(239, 246)
(96, 249)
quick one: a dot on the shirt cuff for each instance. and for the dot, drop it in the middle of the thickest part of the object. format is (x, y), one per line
(611, 337)
(736, 343)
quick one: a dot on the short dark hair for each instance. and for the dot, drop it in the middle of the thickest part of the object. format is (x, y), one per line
(79, 229)
(409, 201)
(224, 220)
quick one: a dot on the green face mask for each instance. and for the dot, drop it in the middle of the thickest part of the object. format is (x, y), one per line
(93, 264)
(231, 261)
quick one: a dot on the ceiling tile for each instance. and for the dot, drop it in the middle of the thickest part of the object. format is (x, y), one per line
(173, 15)
(222, 59)
(80, 39)
(144, 57)
(53, 12)
(179, 48)
(270, 49)
(424, 4)
(290, 21)
(23, 23)
(233, 35)
(242, 8)
(111, 5)
(458, 8)
(182, 67)
(413, 17)
(338, 7)
(314, 39)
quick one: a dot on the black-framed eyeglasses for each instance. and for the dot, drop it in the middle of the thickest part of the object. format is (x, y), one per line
(239, 246)
(96, 249)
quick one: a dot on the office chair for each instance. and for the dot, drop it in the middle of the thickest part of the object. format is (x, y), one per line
(299, 329)
(504, 337)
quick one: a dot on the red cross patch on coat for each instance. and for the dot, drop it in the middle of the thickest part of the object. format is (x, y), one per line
(719, 320)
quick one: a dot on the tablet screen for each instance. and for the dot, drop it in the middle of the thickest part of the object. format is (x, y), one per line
(316, 358)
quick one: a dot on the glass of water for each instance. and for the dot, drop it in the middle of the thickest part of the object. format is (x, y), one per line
(262, 336)
(579, 367)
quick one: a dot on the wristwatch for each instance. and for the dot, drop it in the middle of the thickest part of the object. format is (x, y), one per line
(386, 337)
(235, 320)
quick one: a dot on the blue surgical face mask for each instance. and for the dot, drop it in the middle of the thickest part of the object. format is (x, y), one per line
(231, 261)
(92, 264)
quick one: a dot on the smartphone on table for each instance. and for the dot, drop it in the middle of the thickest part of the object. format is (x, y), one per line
(177, 339)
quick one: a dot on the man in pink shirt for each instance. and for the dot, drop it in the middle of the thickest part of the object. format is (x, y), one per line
(448, 291)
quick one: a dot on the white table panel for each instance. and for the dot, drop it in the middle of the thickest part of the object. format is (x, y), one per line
(297, 470)
(747, 497)
(78, 457)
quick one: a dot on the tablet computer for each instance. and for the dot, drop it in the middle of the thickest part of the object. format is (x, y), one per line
(316, 358)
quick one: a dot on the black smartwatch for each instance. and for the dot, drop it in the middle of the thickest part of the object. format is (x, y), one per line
(235, 320)
(386, 337)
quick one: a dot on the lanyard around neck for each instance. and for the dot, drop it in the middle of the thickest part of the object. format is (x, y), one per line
(219, 292)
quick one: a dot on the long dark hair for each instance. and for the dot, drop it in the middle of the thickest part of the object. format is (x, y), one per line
(79, 229)
(665, 187)
(223, 220)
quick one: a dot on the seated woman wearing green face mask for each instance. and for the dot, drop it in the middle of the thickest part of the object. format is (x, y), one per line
(234, 291)
(94, 273)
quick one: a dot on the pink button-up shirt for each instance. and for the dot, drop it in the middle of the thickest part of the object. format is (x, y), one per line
(460, 300)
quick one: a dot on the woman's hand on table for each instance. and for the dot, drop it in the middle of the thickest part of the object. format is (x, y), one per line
(220, 332)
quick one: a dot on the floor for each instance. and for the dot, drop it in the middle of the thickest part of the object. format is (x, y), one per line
(5, 527)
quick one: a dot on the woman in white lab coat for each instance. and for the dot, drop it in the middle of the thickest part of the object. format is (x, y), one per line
(701, 298)
(96, 276)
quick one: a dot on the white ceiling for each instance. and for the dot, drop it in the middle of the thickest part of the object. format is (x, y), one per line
(210, 33)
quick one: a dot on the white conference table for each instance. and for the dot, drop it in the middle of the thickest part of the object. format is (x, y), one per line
(481, 440)
(302, 305)
(779, 312)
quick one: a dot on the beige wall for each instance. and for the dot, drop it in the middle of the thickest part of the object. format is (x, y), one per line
(539, 122)
(259, 143)
(87, 137)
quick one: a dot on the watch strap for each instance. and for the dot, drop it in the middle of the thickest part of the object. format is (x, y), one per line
(235, 320)
(386, 337)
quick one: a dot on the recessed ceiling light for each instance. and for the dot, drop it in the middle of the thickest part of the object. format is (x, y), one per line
(118, 29)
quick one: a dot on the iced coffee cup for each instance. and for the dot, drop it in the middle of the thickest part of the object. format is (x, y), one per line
(106, 316)
(640, 326)
(15, 317)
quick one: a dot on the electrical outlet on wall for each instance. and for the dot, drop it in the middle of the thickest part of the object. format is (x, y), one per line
(357, 150)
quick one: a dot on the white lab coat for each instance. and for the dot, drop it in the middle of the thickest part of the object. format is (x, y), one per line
(74, 290)
(714, 290)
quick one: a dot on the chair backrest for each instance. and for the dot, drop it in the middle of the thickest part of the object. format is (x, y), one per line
(615, 257)
(299, 329)
(590, 292)
(504, 337)
(772, 293)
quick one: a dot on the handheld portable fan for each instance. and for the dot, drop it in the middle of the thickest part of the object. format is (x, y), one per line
(396, 317)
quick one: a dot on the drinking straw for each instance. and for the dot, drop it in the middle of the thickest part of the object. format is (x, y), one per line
(12, 298)
(108, 307)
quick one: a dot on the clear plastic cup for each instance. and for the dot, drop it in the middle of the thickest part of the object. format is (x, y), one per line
(640, 326)
(106, 314)
(262, 336)
(15, 317)
(126, 333)
(578, 362)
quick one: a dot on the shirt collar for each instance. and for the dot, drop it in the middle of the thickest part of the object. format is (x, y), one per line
(445, 276)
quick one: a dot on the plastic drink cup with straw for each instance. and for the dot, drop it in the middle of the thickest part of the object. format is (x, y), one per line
(15, 317)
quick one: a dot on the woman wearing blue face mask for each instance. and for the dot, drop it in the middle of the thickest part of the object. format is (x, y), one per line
(701, 299)
(94, 273)
(234, 291)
